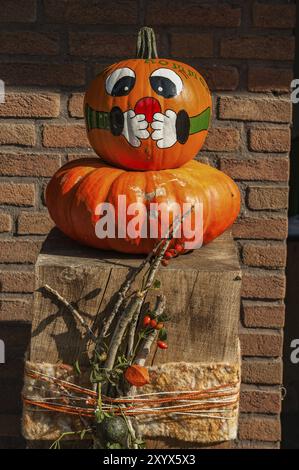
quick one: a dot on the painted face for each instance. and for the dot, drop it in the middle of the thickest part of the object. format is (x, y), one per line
(147, 114)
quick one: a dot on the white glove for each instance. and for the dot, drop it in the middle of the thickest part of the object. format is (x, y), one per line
(164, 129)
(134, 128)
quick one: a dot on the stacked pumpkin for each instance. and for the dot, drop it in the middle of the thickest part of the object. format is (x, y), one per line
(146, 118)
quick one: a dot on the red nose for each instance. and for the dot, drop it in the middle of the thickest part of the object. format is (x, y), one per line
(147, 106)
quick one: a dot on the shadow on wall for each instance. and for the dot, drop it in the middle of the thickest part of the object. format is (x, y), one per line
(290, 411)
(16, 337)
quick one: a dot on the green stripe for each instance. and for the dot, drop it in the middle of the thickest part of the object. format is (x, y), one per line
(96, 119)
(200, 122)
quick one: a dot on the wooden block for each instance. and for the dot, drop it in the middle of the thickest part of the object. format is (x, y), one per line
(202, 290)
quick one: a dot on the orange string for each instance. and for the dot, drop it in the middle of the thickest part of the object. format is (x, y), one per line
(137, 404)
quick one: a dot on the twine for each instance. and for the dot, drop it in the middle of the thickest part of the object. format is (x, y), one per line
(217, 402)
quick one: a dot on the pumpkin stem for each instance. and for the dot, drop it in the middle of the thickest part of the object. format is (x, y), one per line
(146, 44)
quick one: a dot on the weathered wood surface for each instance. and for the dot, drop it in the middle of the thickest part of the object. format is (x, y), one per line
(202, 290)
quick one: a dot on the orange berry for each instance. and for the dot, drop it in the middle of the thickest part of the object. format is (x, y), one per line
(162, 344)
(178, 248)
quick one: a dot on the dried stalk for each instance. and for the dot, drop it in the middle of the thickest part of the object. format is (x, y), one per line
(123, 292)
(138, 299)
(72, 310)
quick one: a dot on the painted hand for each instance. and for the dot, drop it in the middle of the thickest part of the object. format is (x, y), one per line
(135, 128)
(164, 126)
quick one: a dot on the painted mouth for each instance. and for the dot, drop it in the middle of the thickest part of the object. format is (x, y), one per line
(147, 106)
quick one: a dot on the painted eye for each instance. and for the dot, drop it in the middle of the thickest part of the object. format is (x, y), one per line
(166, 83)
(120, 82)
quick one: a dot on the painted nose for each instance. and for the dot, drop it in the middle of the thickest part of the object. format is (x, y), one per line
(147, 106)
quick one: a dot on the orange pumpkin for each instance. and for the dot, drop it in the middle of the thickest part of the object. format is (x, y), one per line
(147, 113)
(78, 188)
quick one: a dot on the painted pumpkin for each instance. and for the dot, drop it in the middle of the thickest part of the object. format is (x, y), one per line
(80, 188)
(147, 113)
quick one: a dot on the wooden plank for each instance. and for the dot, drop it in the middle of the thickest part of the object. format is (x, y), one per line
(202, 291)
(56, 335)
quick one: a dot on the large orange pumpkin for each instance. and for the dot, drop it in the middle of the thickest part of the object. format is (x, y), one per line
(147, 113)
(76, 190)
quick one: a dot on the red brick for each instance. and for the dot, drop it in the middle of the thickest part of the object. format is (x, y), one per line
(36, 223)
(261, 429)
(263, 285)
(5, 222)
(269, 79)
(254, 343)
(220, 78)
(17, 281)
(76, 156)
(274, 16)
(260, 401)
(261, 169)
(13, 164)
(19, 251)
(261, 371)
(261, 228)
(268, 255)
(29, 43)
(244, 108)
(263, 315)
(18, 11)
(258, 47)
(192, 45)
(95, 12)
(190, 13)
(30, 105)
(225, 139)
(75, 105)
(270, 139)
(16, 194)
(267, 197)
(16, 309)
(65, 136)
(102, 44)
(17, 134)
(43, 74)
(257, 445)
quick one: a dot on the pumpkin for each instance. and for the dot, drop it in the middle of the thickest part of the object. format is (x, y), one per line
(147, 113)
(76, 191)
(137, 375)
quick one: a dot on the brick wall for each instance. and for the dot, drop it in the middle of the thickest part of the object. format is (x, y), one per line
(49, 50)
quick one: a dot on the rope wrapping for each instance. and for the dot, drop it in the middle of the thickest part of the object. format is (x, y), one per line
(51, 396)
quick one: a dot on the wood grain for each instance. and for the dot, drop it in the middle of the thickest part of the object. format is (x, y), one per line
(202, 290)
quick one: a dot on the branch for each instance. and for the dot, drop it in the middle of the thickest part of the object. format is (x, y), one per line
(72, 310)
(145, 349)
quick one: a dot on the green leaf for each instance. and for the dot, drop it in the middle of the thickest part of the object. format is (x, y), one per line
(77, 367)
(114, 445)
(163, 317)
(163, 334)
(156, 284)
(99, 416)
